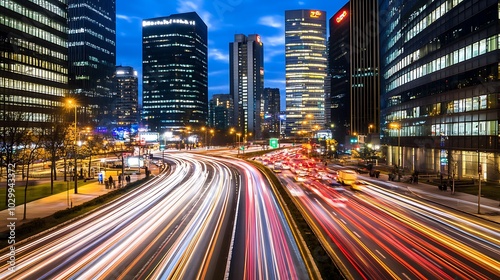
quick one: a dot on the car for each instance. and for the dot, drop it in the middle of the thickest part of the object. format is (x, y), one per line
(300, 178)
(358, 185)
(276, 170)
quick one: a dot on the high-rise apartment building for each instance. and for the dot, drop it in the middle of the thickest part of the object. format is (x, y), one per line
(92, 58)
(33, 62)
(306, 62)
(221, 112)
(440, 92)
(175, 72)
(246, 82)
(271, 110)
(127, 102)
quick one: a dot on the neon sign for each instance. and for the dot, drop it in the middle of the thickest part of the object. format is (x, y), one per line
(315, 14)
(341, 17)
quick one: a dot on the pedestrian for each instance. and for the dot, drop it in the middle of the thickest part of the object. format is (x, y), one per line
(110, 180)
(120, 179)
(128, 179)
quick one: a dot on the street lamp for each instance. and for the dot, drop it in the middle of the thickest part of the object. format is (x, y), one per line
(398, 127)
(205, 139)
(211, 136)
(72, 104)
(238, 143)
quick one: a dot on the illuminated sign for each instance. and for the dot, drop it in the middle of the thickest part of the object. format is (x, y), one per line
(315, 14)
(341, 17)
(273, 143)
(148, 137)
(167, 22)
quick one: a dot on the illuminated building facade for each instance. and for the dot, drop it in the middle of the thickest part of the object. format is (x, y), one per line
(246, 82)
(271, 109)
(92, 58)
(33, 62)
(306, 62)
(364, 70)
(440, 87)
(337, 86)
(175, 72)
(126, 91)
(221, 112)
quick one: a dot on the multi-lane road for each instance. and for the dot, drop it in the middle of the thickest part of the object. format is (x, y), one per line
(377, 233)
(204, 219)
(218, 218)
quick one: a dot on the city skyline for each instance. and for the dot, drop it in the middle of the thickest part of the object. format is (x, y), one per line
(224, 19)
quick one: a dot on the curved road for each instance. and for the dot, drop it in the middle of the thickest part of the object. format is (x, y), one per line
(206, 219)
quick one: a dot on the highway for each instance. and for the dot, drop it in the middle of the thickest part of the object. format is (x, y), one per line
(206, 218)
(381, 233)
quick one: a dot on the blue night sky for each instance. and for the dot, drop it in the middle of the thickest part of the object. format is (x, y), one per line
(224, 18)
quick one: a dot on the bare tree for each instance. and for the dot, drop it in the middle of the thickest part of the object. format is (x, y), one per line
(54, 144)
(93, 145)
(31, 151)
(12, 137)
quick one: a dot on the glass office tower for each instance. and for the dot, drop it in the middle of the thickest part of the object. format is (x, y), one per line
(440, 87)
(92, 58)
(338, 69)
(306, 62)
(127, 102)
(364, 70)
(33, 62)
(175, 72)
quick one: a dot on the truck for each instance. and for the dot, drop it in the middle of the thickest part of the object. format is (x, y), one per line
(346, 177)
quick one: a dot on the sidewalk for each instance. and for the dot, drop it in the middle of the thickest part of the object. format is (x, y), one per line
(49, 205)
(490, 209)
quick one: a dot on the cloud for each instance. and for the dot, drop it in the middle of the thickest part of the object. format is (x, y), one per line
(196, 6)
(276, 82)
(269, 53)
(127, 18)
(271, 21)
(217, 54)
(218, 89)
(278, 40)
(218, 72)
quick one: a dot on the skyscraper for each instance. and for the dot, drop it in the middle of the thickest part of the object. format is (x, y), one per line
(339, 69)
(271, 110)
(175, 72)
(126, 90)
(441, 85)
(33, 62)
(221, 112)
(364, 67)
(306, 62)
(246, 82)
(92, 58)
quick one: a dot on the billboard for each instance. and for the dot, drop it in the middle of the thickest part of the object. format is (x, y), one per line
(149, 137)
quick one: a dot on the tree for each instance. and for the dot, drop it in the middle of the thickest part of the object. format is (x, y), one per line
(11, 139)
(31, 151)
(54, 143)
(93, 145)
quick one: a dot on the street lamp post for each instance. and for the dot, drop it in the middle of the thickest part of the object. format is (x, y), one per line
(72, 103)
(238, 143)
(205, 139)
(398, 127)
(479, 172)
(211, 136)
